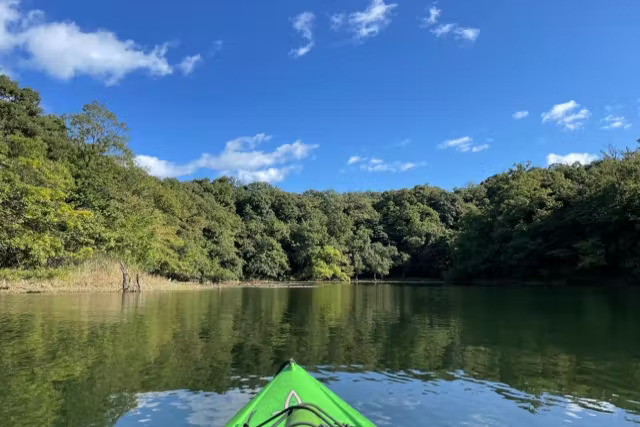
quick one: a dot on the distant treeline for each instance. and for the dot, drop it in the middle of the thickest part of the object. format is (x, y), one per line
(70, 189)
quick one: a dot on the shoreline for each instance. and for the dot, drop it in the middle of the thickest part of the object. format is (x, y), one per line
(158, 284)
(105, 276)
(109, 282)
(161, 284)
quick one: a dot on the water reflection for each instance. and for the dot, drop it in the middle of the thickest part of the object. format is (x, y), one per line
(395, 400)
(400, 354)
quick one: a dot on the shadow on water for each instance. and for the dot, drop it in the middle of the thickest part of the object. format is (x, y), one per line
(481, 356)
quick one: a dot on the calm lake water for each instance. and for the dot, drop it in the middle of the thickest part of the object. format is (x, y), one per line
(402, 355)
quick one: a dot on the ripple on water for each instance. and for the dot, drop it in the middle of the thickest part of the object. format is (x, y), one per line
(402, 399)
(404, 356)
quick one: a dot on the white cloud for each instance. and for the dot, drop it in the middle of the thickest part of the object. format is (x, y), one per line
(432, 19)
(469, 34)
(64, 51)
(559, 111)
(378, 165)
(265, 175)
(238, 158)
(615, 122)
(164, 168)
(367, 23)
(408, 165)
(459, 32)
(337, 20)
(464, 33)
(518, 115)
(463, 145)
(443, 30)
(568, 115)
(8, 16)
(188, 64)
(478, 148)
(571, 158)
(303, 24)
(354, 159)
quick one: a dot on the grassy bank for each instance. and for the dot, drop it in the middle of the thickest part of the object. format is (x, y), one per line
(95, 275)
(104, 275)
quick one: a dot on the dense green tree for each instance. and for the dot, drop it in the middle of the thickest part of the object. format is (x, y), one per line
(39, 226)
(263, 254)
(70, 189)
(328, 263)
(96, 132)
(415, 228)
(564, 221)
(359, 250)
(20, 112)
(380, 259)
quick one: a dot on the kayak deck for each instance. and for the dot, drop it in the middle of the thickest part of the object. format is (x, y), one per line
(294, 398)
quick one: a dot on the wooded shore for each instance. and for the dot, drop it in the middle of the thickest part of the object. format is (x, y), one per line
(71, 191)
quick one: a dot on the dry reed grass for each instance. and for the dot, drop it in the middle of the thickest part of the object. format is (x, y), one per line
(102, 274)
(96, 275)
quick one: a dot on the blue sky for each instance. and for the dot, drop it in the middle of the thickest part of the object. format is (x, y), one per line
(349, 95)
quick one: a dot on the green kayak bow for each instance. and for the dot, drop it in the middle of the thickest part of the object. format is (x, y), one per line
(295, 398)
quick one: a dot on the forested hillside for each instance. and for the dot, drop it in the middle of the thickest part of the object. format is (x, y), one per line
(70, 190)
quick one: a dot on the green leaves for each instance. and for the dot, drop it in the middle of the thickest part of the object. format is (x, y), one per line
(328, 263)
(380, 259)
(69, 189)
(560, 222)
(97, 132)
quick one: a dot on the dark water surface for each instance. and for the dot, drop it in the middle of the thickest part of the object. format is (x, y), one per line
(402, 355)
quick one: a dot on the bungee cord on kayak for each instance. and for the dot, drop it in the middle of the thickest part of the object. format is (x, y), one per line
(277, 418)
(294, 398)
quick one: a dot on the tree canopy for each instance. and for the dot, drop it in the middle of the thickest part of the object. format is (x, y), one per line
(70, 189)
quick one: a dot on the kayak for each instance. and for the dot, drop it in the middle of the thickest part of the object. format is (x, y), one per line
(294, 398)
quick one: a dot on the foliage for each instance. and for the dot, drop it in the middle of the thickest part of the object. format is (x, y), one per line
(380, 259)
(328, 263)
(70, 189)
(564, 221)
